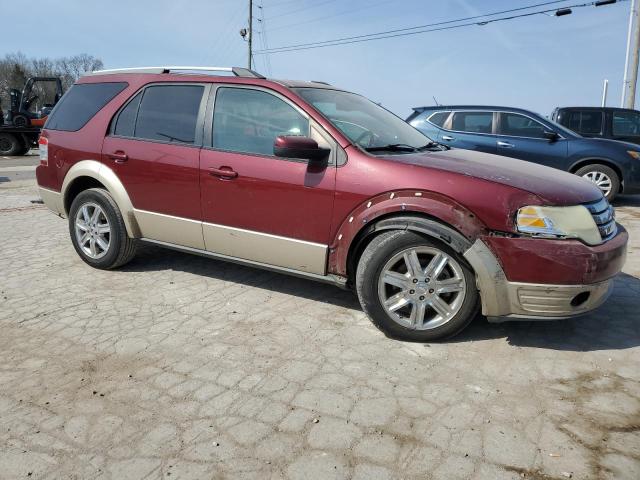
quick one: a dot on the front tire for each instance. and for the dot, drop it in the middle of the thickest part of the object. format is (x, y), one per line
(415, 288)
(604, 177)
(98, 232)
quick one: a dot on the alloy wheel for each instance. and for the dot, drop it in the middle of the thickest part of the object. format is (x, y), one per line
(601, 180)
(92, 230)
(422, 288)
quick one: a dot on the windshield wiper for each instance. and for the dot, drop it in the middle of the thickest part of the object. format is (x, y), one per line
(434, 146)
(393, 147)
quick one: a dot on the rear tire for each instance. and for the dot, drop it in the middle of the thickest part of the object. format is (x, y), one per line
(432, 299)
(98, 232)
(10, 145)
(604, 177)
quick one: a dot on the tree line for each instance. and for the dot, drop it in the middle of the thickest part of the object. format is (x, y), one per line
(15, 68)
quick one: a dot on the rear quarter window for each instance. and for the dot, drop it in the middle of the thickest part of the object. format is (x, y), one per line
(81, 103)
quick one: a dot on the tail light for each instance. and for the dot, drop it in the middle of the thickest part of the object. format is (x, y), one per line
(43, 145)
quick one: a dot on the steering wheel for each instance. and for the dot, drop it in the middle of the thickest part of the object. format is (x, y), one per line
(360, 140)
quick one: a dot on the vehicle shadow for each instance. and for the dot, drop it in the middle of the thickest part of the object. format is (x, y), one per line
(613, 326)
(627, 201)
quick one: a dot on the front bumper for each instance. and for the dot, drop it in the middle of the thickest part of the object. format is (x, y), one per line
(505, 299)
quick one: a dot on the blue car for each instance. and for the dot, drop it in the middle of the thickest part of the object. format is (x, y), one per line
(512, 132)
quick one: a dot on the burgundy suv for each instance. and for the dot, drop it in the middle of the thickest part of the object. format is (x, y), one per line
(307, 179)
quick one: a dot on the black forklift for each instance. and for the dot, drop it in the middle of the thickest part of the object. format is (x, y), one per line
(28, 111)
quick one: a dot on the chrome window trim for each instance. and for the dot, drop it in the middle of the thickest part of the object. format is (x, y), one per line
(498, 112)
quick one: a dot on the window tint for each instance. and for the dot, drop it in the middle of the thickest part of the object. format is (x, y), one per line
(473, 122)
(439, 118)
(169, 113)
(626, 123)
(517, 125)
(590, 122)
(126, 121)
(249, 121)
(80, 104)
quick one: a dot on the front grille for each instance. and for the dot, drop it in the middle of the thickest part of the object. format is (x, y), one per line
(604, 217)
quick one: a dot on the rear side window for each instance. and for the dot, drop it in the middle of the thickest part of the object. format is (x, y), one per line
(585, 121)
(473, 122)
(168, 113)
(126, 122)
(439, 118)
(81, 103)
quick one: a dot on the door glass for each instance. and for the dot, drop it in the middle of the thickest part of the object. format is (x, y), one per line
(169, 113)
(590, 122)
(439, 118)
(516, 125)
(246, 120)
(126, 121)
(626, 123)
(473, 122)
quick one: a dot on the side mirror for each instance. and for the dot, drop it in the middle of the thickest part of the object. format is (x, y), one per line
(297, 146)
(550, 135)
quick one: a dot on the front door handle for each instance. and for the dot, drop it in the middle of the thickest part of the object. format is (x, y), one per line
(505, 144)
(118, 156)
(448, 138)
(223, 172)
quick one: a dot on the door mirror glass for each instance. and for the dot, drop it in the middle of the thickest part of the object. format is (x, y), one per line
(298, 146)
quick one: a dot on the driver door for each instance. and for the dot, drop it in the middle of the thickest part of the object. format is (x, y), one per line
(256, 206)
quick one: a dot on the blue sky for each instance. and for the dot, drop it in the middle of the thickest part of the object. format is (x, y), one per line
(537, 62)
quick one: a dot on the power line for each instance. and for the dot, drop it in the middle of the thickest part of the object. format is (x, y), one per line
(421, 29)
(301, 9)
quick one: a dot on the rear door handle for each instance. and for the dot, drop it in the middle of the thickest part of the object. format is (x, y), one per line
(448, 138)
(505, 144)
(223, 172)
(119, 157)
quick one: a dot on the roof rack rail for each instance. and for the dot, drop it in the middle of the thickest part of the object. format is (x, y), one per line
(320, 81)
(237, 71)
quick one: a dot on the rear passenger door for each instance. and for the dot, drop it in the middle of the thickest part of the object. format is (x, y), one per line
(520, 136)
(471, 130)
(154, 147)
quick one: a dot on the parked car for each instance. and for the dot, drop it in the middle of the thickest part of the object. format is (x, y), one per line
(601, 122)
(613, 166)
(307, 179)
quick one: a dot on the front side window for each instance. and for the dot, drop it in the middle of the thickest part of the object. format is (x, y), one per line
(626, 123)
(472, 122)
(81, 103)
(168, 113)
(516, 125)
(590, 122)
(248, 121)
(363, 122)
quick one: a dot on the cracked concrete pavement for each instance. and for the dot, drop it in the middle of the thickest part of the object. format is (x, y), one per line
(179, 367)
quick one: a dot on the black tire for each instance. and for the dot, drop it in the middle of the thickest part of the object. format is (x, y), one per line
(25, 148)
(21, 121)
(595, 168)
(121, 248)
(370, 266)
(10, 145)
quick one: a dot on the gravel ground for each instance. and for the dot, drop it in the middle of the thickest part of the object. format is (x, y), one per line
(180, 367)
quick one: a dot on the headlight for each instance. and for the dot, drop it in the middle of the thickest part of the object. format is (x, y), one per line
(634, 154)
(559, 222)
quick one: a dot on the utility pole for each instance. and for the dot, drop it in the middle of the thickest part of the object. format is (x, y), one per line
(631, 62)
(605, 87)
(251, 32)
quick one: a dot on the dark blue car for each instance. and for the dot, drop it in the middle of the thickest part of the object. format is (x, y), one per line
(612, 165)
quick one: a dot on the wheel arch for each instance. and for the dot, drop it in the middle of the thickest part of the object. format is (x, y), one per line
(427, 213)
(597, 160)
(91, 174)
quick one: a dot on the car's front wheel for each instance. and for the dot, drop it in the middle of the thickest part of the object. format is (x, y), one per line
(415, 288)
(98, 232)
(604, 177)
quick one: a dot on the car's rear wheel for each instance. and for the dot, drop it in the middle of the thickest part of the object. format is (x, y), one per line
(415, 288)
(604, 177)
(9, 144)
(98, 232)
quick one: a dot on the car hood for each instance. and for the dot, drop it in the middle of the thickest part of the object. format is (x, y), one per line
(551, 185)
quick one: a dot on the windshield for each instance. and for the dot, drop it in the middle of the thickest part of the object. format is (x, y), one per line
(366, 124)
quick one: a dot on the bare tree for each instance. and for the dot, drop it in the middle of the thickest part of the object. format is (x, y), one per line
(15, 68)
